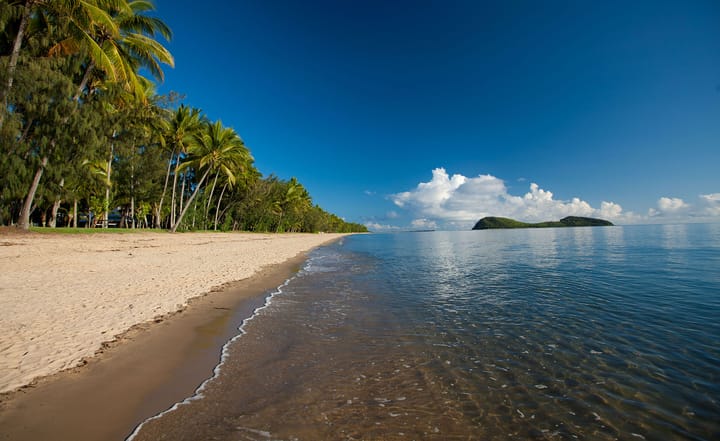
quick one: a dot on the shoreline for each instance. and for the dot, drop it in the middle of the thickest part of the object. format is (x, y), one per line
(153, 364)
(240, 330)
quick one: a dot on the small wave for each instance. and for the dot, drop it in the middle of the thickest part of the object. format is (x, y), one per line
(198, 394)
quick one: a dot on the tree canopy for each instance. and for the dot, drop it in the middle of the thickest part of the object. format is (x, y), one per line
(86, 141)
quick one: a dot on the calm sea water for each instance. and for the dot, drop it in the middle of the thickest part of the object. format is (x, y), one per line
(575, 333)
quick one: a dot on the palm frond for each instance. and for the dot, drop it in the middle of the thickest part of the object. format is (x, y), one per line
(147, 25)
(102, 60)
(100, 17)
(148, 53)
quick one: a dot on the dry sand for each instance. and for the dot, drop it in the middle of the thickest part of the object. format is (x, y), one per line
(62, 297)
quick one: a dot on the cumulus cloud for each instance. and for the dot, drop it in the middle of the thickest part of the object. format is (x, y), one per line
(430, 195)
(460, 200)
(672, 209)
(671, 205)
(610, 210)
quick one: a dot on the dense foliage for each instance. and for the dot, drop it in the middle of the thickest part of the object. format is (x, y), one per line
(490, 223)
(86, 141)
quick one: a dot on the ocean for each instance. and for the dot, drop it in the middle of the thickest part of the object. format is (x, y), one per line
(573, 333)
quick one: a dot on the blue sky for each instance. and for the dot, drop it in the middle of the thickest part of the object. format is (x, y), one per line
(413, 114)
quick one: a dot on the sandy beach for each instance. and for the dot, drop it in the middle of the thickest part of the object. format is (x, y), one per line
(63, 297)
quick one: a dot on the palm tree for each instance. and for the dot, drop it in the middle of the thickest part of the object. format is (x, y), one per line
(242, 175)
(119, 48)
(215, 149)
(295, 199)
(182, 127)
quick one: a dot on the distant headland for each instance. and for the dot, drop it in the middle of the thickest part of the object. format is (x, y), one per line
(495, 223)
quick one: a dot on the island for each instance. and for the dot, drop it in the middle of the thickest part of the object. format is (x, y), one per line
(495, 223)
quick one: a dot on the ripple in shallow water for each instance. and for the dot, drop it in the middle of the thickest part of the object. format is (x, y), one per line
(546, 334)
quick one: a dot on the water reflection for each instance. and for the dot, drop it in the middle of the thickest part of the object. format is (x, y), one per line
(543, 247)
(674, 236)
(535, 334)
(614, 238)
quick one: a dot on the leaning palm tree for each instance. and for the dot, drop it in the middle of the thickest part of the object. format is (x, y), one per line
(214, 149)
(182, 127)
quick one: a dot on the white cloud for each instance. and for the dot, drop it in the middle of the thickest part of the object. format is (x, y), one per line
(430, 195)
(378, 227)
(610, 210)
(710, 204)
(461, 201)
(711, 198)
(424, 224)
(671, 209)
(457, 202)
(392, 214)
(671, 205)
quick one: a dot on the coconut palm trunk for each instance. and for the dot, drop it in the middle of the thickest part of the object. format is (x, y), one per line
(217, 209)
(173, 204)
(108, 184)
(162, 196)
(52, 222)
(75, 215)
(192, 197)
(209, 201)
(24, 219)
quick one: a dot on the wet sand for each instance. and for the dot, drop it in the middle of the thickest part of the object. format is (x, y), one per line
(144, 372)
